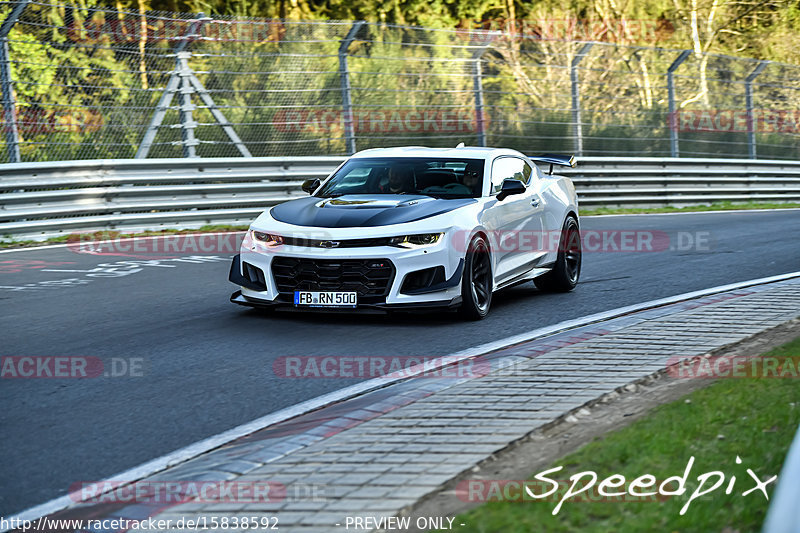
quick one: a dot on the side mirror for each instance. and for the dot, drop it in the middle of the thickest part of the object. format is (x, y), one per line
(310, 186)
(510, 186)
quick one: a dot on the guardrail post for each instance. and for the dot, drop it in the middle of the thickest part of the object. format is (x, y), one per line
(576, 97)
(344, 80)
(7, 84)
(672, 118)
(748, 97)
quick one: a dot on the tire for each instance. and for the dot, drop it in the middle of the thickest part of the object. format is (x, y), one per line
(567, 270)
(476, 281)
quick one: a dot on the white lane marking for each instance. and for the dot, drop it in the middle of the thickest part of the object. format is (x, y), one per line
(50, 284)
(193, 450)
(111, 270)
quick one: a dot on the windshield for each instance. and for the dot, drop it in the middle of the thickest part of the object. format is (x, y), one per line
(439, 177)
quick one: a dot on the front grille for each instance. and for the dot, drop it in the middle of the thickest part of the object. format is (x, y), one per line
(370, 278)
(331, 243)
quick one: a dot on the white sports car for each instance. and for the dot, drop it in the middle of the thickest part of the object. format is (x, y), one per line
(415, 228)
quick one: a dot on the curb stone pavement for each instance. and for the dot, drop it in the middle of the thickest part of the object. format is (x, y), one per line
(380, 453)
(569, 433)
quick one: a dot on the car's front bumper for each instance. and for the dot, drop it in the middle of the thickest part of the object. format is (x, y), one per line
(252, 270)
(238, 298)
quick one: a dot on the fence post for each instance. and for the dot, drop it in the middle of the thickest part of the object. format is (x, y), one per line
(477, 84)
(748, 97)
(672, 118)
(576, 97)
(7, 84)
(344, 80)
(478, 88)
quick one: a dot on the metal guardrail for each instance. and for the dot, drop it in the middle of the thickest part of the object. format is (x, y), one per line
(40, 200)
(783, 515)
(638, 181)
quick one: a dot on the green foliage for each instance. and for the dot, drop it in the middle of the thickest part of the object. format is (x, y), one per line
(88, 81)
(60, 87)
(768, 29)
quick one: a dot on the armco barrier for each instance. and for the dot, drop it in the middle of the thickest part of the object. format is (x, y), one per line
(40, 200)
(784, 511)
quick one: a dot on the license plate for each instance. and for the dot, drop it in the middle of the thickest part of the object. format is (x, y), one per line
(325, 299)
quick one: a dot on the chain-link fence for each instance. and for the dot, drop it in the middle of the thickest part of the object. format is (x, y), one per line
(86, 83)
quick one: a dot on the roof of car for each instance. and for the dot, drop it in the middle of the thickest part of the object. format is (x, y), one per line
(470, 152)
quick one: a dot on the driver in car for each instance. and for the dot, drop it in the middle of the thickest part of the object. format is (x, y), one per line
(401, 180)
(472, 181)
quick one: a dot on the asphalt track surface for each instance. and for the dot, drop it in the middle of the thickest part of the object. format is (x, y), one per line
(207, 364)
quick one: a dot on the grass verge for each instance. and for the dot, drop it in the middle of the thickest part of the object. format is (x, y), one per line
(108, 235)
(755, 419)
(716, 206)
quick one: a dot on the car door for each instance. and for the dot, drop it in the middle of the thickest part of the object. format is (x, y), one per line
(538, 222)
(516, 221)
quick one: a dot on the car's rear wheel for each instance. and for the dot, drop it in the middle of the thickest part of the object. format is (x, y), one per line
(476, 284)
(567, 270)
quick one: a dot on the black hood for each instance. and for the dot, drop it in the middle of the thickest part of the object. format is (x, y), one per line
(360, 210)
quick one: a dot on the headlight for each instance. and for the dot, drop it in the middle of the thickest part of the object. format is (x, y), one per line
(414, 241)
(267, 238)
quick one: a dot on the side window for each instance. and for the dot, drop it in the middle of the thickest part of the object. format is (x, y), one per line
(504, 168)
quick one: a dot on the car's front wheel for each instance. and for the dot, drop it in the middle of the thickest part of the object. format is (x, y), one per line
(476, 284)
(567, 270)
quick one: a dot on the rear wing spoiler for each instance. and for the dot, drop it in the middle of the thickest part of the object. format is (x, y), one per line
(555, 159)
